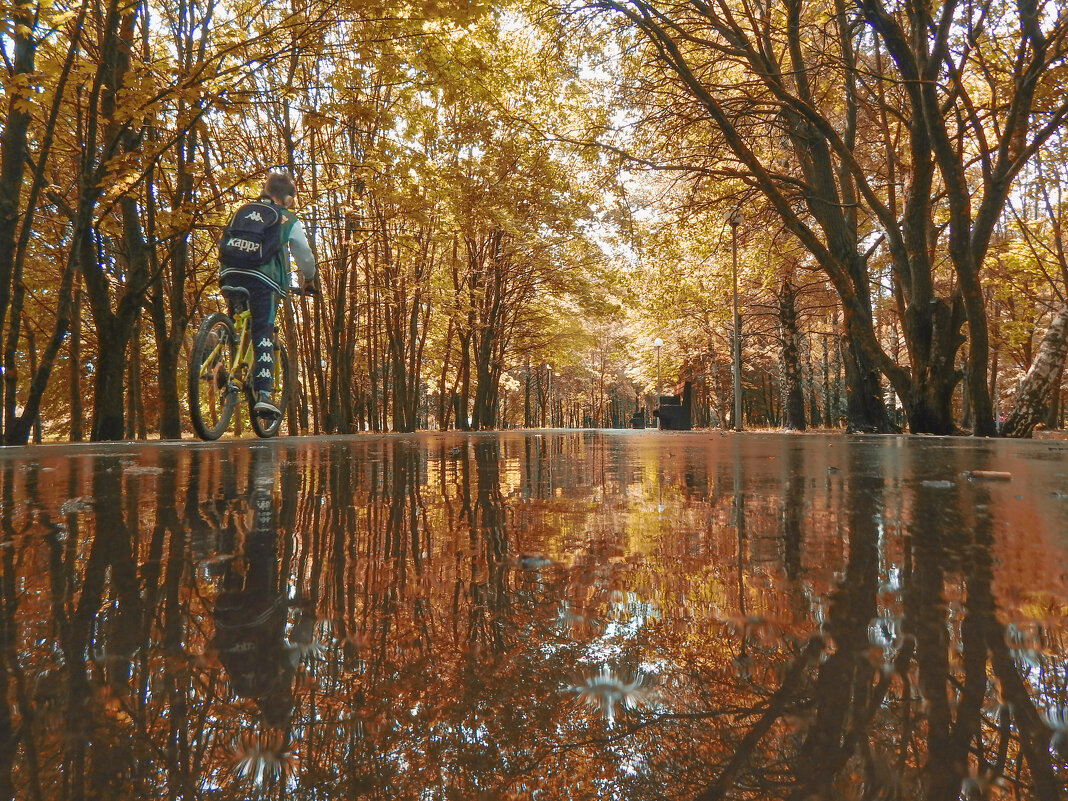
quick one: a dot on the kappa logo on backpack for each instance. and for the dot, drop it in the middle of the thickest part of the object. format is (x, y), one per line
(250, 239)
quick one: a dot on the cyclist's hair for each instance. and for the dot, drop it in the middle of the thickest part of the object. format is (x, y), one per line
(279, 186)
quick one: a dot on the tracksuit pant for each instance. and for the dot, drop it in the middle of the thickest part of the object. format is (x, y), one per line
(263, 303)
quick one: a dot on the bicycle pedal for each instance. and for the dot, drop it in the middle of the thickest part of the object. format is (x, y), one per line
(267, 410)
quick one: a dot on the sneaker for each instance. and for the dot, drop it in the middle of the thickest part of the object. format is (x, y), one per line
(264, 407)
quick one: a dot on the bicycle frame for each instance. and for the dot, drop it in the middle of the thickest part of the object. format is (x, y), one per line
(222, 367)
(241, 368)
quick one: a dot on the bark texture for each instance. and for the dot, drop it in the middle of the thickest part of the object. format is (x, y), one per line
(793, 397)
(1033, 398)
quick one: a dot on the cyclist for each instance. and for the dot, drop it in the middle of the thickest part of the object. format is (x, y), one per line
(253, 255)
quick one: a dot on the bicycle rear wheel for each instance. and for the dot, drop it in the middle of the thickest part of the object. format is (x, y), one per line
(212, 400)
(268, 426)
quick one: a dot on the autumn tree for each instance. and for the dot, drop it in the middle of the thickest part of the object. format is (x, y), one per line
(874, 133)
(128, 140)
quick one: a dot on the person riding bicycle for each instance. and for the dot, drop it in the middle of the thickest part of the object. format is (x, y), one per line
(254, 257)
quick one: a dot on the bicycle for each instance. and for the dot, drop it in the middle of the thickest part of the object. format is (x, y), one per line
(220, 368)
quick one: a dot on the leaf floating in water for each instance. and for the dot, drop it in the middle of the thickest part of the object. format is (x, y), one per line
(606, 691)
(135, 469)
(73, 506)
(989, 475)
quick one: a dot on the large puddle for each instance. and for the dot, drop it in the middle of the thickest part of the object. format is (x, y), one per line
(581, 615)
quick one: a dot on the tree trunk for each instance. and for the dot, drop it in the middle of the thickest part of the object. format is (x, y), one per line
(339, 417)
(11, 350)
(839, 378)
(830, 413)
(967, 415)
(168, 353)
(978, 358)
(809, 383)
(793, 405)
(19, 433)
(1042, 379)
(296, 410)
(463, 421)
(169, 339)
(865, 409)
(444, 407)
(771, 412)
(108, 383)
(374, 373)
(13, 146)
(31, 347)
(402, 387)
(1053, 416)
(485, 395)
(77, 433)
(114, 330)
(133, 387)
(136, 427)
(932, 334)
(114, 326)
(527, 422)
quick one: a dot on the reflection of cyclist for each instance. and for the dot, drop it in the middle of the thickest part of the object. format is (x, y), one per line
(251, 612)
(253, 255)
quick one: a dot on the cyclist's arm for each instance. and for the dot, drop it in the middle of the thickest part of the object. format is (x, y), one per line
(301, 251)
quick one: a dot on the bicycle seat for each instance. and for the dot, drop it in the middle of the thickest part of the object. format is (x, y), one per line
(236, 296)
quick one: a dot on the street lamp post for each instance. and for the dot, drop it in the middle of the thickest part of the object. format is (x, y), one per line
(734, 220)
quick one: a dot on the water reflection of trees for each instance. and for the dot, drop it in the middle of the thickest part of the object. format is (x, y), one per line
(454, 621)
(910, 688)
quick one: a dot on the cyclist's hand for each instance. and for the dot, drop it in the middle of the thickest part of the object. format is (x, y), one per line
(311, 287)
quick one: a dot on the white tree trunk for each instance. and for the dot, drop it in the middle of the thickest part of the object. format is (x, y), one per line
(1034, 394)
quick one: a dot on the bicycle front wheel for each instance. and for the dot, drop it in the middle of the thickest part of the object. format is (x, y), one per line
(268, 426)
(212, 399)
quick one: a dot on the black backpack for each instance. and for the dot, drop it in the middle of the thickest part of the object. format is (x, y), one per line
(251, 238)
